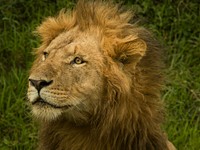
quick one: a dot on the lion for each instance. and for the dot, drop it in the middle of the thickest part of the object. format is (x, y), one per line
(95, 83)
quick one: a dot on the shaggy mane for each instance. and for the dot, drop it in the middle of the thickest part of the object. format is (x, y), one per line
(134, 113)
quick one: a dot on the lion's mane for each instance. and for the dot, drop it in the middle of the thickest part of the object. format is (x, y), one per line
(131, 113)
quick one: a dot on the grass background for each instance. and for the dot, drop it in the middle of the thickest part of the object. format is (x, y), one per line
(176, 23)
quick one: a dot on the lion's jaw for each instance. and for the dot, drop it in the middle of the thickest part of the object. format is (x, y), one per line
(63, 79)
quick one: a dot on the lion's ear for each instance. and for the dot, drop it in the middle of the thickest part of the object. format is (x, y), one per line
(131, 51)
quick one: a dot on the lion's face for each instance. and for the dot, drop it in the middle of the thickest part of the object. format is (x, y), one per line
(66, 79)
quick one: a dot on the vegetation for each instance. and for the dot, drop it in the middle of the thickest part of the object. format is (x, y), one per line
(176, 23)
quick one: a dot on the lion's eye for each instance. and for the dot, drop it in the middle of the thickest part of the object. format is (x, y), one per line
(77, 60)
(45, 55)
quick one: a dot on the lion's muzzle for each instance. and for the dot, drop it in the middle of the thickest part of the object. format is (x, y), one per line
(39, 84)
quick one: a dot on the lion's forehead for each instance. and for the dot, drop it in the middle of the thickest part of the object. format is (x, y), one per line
(71, 43)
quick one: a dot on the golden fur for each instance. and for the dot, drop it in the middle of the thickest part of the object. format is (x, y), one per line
(98, 79)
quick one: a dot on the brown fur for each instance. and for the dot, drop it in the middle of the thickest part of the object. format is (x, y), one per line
(120, 82)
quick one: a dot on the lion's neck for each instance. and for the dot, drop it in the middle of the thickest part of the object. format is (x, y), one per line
(65, 135)
(62, 135)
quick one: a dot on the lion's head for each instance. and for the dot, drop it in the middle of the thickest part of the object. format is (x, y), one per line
(80, 64)
(98, 68)
(67, 77)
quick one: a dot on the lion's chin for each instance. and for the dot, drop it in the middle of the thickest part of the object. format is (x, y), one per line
(46, 113)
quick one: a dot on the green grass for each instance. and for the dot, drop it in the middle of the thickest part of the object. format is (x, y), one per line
(175, 23)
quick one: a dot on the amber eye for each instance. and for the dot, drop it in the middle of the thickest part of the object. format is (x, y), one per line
(45, 55)
(78, 60)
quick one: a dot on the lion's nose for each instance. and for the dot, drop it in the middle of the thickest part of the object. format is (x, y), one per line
(39, 84)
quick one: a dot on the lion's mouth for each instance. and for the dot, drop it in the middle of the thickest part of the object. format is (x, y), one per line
(41, 102)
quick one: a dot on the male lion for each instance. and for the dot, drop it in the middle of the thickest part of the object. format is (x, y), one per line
(96, 81)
